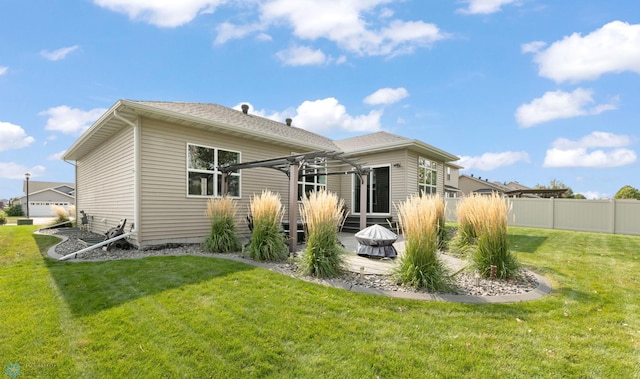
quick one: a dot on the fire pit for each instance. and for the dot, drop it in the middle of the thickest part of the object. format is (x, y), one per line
(376, 241)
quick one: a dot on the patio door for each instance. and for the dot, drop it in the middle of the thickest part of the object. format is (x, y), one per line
(378, 193)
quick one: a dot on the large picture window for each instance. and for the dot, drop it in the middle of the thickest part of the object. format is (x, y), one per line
(204, 179)
(427, 176)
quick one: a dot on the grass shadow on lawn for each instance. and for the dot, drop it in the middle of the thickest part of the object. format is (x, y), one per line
(91, 287)
(526, 243)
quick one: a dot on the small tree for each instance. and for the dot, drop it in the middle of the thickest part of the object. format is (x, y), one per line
(3, 218)
(15, 210)
(627, 192)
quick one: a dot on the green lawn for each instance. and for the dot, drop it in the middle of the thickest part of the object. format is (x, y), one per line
(198, 317)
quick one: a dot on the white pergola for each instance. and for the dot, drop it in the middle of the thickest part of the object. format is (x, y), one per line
(331, 163)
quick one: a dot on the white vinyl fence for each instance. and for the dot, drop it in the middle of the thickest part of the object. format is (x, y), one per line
(605, 216)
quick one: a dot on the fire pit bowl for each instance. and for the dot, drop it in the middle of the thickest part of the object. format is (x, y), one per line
(376, 241)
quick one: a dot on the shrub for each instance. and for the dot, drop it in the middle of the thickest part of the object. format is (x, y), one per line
(3, 218)
(14, 210)
(223, 237)
(420, 267)
(322, 212)
(492, 242)
(267, 243)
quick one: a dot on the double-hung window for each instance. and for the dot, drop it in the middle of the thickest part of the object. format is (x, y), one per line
(427, 176)
(203, 176)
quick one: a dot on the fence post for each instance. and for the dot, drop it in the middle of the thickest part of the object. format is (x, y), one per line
(612, 227)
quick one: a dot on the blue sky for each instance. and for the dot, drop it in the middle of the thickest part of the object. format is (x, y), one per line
(523, 90)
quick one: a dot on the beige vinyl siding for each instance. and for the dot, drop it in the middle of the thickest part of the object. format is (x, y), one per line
(167, 213)
(105, 182)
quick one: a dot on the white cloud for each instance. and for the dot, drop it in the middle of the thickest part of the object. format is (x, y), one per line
(593, 195)
(386, 96)
(13, 137)
(228, 31)
(484, 6)
(12, 170)
(58, 54)
(613, 48)
(345, 23)
(324, 115)
(559, 104)
(301, 56)
(3, 70)
(165, 13)
(56, 156)
(568, 153)
(491, 161)
(595, 139)
(70, 120)
(355, 26)
(533, 47)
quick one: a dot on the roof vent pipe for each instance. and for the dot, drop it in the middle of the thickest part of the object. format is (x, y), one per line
(288, 121)
(245, 108)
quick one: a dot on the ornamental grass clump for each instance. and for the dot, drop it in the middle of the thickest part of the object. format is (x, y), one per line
(420, 266)
(267, 240)
(223, 238)
(492, 257)
(322, 213)
(62, 215)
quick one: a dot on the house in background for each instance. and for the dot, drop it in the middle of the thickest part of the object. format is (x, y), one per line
(157, 164)
(42, 195)
(451, 180)
(470, 184)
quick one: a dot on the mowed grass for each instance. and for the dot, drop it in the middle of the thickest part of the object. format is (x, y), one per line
(200, 317)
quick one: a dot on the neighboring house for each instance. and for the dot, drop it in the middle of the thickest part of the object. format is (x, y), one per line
(158, 163)
(451, 180)
(470, 184)
(42, 195)
(4, 203)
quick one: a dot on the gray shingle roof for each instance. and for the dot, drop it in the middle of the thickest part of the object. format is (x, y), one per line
(370, 141)
(250, 123)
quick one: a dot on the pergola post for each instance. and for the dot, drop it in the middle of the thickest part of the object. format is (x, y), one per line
(293, 207)
(364, 178)
(225, 183)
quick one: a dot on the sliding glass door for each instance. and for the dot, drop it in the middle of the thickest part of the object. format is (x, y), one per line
(378, 191)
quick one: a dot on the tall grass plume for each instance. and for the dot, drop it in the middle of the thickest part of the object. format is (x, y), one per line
(322, 213)
(223, 237)
(420, 221)
(62, 215)
(483, 229)
(267, 240)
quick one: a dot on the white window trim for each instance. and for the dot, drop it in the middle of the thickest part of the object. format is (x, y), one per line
(215, 172)
(423, 187)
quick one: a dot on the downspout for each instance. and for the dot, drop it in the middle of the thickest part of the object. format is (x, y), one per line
(136, 132)
(75, 190)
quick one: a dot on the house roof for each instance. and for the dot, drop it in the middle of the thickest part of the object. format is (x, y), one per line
(36, 186)
(199, 115)
(225, 120)
(32, 193)
(380, 141)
